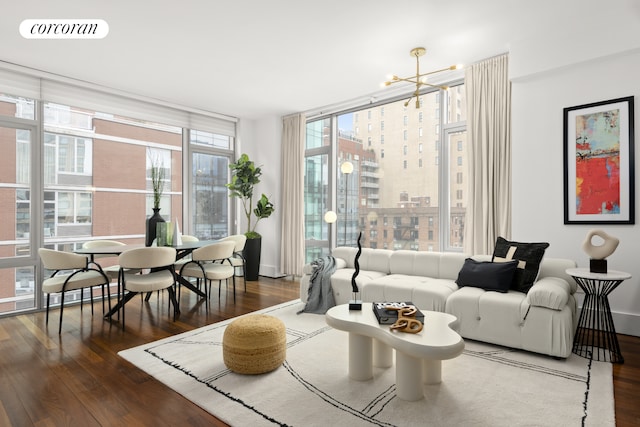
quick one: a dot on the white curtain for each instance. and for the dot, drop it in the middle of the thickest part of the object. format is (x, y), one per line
(488, 92)
(292, 206)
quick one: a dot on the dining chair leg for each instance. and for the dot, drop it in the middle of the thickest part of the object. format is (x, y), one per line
(244, 276)
(125, 298)
(46, 321)
(234, 288)
(108, 298)
(91, 298)
(172, 298)
(62, 309)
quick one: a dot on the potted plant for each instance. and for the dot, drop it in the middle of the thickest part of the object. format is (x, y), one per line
(157, 185)
(244, 176)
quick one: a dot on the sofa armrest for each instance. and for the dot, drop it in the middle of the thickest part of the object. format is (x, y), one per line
(549, 292)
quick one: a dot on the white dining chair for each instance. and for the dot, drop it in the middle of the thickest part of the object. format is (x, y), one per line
(156, 272)
(238, 260)
(70, 272)
(212, 262)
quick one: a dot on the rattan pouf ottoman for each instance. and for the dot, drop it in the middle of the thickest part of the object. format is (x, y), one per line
(254, 344)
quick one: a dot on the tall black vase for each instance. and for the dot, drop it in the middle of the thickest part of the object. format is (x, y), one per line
(252, 250)
(152, 221)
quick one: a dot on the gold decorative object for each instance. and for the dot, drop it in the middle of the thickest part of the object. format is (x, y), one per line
(407, 321)
(419, 79)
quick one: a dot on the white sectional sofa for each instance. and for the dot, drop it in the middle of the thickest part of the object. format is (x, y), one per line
(543, 320)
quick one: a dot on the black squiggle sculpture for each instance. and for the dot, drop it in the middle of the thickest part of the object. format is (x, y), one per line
(356, 304)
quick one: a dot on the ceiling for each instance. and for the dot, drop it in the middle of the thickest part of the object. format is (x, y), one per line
(257, 58)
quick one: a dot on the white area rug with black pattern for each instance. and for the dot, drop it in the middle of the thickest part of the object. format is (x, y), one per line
(485, 386)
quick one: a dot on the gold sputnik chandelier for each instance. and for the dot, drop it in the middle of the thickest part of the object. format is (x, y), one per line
(419, 79)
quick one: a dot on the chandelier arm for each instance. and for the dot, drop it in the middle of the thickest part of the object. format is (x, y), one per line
(439, 86)
(408, 79)
(453, 67)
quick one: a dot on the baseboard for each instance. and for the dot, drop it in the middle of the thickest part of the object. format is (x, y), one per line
(625, 323)
(271, 271)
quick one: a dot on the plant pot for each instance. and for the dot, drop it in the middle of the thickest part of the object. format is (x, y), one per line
(152, 222)
(252, 250)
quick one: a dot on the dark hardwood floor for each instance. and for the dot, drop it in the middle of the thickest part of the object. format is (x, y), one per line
(77, 378)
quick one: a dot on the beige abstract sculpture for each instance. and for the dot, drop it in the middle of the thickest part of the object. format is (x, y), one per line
(598, 253)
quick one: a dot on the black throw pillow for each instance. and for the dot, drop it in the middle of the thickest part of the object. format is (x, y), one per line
(490, 276)
(529, 256)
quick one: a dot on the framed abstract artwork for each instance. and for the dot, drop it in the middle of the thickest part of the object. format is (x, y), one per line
(599, 163)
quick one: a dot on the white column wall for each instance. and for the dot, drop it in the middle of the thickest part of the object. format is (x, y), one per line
(261, 140)
(539, 94)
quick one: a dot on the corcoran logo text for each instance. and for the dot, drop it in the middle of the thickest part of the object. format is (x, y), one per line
(64, 28)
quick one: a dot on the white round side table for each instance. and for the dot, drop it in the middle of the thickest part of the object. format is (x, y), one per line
(595, 336)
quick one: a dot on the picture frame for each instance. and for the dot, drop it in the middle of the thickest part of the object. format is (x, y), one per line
(599, 163)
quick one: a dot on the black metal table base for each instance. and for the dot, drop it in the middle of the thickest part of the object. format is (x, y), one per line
(595, 336)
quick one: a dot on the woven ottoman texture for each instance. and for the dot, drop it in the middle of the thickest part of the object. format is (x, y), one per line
(254, 344)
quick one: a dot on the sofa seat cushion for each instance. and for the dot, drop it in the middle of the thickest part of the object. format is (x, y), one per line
(425, 292)
(341, 282)
(489, 316)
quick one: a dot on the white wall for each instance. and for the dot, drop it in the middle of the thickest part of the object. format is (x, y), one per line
(261, 140)
(539, 94)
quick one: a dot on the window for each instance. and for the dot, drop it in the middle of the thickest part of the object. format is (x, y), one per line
(15, 106)
(90, 180)
(74, 153)
(74, 208)
(417, 192)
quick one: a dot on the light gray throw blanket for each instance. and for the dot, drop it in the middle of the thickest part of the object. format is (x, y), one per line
(320, 296)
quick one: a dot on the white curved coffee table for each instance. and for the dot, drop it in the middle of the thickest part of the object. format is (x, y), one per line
(418, 356)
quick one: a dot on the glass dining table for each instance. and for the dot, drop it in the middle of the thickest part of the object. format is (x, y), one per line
(181, 251)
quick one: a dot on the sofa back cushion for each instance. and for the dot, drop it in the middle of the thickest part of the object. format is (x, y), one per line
(370, 259)
(439, 265)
